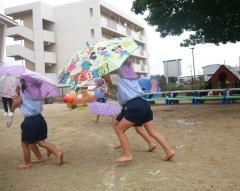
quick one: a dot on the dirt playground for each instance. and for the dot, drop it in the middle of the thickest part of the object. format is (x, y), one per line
(206, 139)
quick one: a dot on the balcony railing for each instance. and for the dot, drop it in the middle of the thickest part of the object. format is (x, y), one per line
(111, 24)
(50, 57)
(18, 51)
(48, 36)
(140, 53)
(20, 33)
(140, 68)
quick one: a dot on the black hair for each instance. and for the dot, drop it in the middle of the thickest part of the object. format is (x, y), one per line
(23, 85)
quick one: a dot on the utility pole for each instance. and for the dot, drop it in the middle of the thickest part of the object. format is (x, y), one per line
(194, 77)
(191, 74)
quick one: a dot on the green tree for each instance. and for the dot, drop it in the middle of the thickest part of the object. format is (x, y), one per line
(211, 21)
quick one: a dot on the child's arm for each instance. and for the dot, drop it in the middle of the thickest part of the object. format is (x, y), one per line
(17, 100)
(18, 90)
(109, 82)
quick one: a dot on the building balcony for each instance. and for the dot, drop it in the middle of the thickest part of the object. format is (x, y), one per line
(140, 53)
(19, 52)
(120, 29)
(140, 68)
(48, 36)
(20, 33)
(50, 57)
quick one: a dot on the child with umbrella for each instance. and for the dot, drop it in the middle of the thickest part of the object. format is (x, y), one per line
(34, 126)
(137, 112)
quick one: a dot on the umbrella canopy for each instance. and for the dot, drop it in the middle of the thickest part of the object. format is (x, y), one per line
(96, 60)
(38, 86)
(104, 109)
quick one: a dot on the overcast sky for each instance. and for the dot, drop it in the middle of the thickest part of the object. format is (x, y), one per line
(164, 49)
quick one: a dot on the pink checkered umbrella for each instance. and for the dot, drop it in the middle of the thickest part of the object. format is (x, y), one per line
(104, 109)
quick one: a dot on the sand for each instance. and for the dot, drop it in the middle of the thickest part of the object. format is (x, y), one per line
(205, 138)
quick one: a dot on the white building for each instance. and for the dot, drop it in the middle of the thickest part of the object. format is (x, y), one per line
(172, 68)
(209, 70)
(52, 34)
(5, 22)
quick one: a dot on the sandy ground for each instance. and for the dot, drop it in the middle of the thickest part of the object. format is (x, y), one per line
(205, 137)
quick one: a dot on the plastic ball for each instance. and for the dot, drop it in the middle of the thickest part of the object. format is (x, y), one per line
(65, 99)
(70, 99)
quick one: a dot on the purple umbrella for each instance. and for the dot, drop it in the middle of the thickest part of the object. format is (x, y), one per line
(38, 86)
(104, 109)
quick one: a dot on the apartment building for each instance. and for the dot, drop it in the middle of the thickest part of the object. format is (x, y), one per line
(50, 35)
(5, 22)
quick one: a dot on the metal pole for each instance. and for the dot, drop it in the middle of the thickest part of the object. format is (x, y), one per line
(193, 64)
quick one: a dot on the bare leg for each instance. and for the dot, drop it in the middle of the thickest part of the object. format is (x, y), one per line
(26, 157)
(37, 153)
(115, 123)
(122, 126)
(142, 131)
(97, 119)
(53, 149)
(160, 139)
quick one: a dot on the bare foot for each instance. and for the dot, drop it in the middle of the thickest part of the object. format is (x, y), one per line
(60, 158)
(169, 156)
(118, 146)
(38, 160)
(95, 121)
(23, 165)
(151, 147)
(123, 159)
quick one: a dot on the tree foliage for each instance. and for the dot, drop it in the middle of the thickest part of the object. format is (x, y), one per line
(211, 21)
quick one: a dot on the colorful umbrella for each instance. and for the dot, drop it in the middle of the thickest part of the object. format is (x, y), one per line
(96, 60)
(104, 109)
(38, 86)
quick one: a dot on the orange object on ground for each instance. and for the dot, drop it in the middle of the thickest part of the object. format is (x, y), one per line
(75, 99)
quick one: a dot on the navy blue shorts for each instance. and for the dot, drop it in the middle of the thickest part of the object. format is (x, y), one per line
(34, 128)
(136, 110)
(102, 100)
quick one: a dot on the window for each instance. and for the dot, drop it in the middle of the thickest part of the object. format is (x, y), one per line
(91, 12)
(92, 33)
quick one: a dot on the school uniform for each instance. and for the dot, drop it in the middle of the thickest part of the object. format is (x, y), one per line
(34, 126)
(100, 94)
(134, 107)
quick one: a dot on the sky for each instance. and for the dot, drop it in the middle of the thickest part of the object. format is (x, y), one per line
(161, 49)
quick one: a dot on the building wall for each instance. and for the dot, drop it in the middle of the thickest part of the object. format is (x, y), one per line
(172, 68)
(4, 24)
(73, 28)
(72, 25)
(2, 41)
(210, 69)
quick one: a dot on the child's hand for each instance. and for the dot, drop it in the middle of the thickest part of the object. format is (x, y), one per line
(17, 101)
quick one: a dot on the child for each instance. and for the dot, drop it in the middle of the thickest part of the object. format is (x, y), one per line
(138, 112)
(7, 104)
(34, 128)
(100, 93)
(139, 129)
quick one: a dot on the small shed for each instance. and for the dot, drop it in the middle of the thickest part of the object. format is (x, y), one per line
(224, 77)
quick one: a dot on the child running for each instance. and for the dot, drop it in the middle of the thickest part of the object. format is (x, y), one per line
(100, 93)
(137, 112)
(34, 128)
